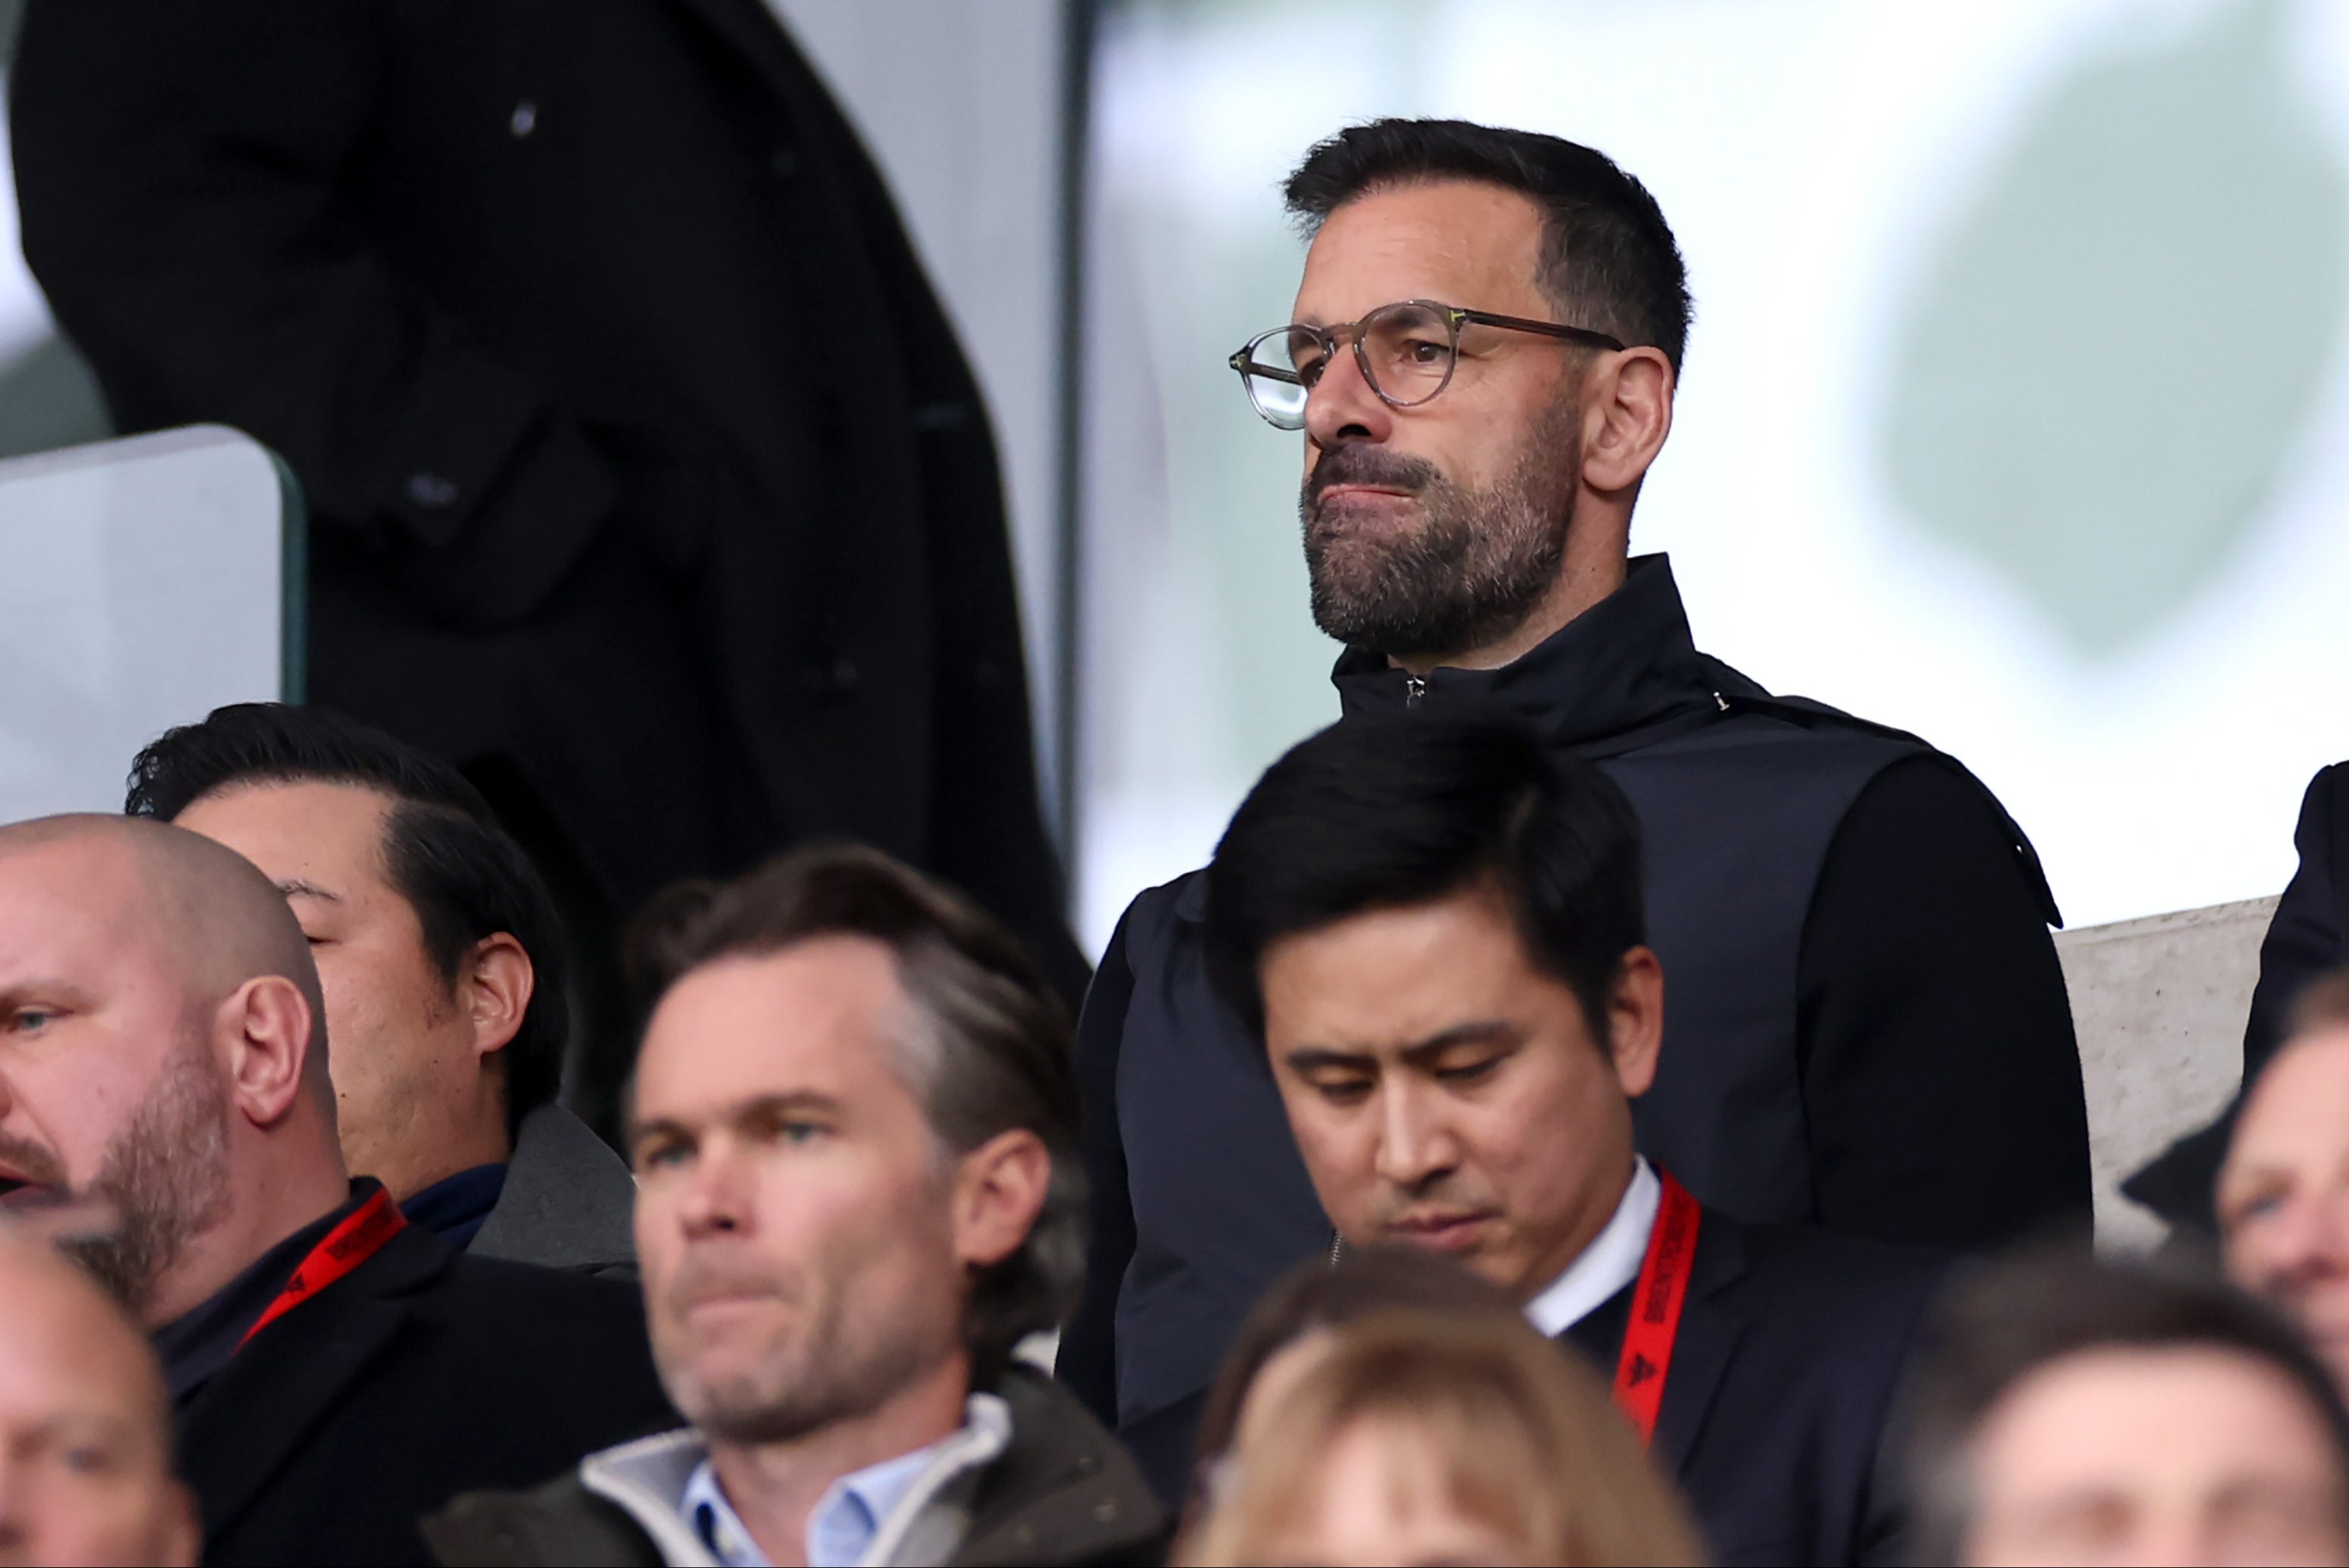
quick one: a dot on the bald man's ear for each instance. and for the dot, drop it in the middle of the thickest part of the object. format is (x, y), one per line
(264, 1028)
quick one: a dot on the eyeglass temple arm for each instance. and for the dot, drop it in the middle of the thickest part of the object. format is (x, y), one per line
(1546, 329)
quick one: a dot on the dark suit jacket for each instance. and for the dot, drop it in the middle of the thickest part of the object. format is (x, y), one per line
(2308, 937)
(640, 454)
(421, 1374)
(1792, 1348)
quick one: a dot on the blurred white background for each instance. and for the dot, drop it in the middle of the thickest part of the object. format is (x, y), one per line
(2013, 412)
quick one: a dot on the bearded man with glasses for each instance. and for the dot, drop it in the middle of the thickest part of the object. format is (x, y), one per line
(1868, 1029)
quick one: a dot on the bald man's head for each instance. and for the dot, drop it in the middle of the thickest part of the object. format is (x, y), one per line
(85, 1425)
(202, 909)
(157, 1014)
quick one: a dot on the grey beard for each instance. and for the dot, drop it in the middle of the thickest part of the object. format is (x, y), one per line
(1476, 566)
(166, 1175)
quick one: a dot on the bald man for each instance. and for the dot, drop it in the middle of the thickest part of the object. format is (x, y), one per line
(85, 1428)
(335, 1373)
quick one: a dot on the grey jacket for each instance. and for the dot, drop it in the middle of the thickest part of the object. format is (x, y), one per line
(1037, 1482)
(569, 1201)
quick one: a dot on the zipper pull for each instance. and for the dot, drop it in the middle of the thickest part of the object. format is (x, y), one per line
(1413, 688)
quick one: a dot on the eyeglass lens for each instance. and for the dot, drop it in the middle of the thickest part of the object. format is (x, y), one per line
(1406, 348)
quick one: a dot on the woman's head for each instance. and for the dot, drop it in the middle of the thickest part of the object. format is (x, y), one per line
(1412, 1436)
(1315, 1297)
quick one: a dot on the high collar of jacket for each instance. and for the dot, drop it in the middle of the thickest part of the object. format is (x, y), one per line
(1623, 667)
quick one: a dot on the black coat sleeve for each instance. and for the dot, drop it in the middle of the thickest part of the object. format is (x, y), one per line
(185, 184)
(2304, 939)
(1088, 1355)
(1941, 1077)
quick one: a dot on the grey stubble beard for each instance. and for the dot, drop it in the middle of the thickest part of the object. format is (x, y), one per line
(1473, 568)
(166, 1176)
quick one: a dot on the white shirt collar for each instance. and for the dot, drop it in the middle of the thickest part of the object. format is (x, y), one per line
(1608, 1264)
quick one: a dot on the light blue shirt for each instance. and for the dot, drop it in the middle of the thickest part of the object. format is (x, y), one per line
(838, 1531)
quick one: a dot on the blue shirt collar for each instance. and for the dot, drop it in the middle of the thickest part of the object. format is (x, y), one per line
(838, 1531)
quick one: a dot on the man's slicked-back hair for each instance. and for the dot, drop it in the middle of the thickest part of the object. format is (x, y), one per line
(1388, 810)
(989, 1053)
(442, 851)
(2046, 1304)
(1608, 260)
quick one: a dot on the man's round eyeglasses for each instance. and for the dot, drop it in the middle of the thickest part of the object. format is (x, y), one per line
(1406, 351)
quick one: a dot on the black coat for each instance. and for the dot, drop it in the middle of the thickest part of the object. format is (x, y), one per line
(1792, 1350)
(639, 454)
(1866, 1029)
(420, 1374)
(2307, 939)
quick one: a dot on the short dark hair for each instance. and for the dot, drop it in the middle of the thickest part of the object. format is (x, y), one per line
(1609, 259)
(2053, 1302)
(995, 1051)
(442, 851)
(1385, 810)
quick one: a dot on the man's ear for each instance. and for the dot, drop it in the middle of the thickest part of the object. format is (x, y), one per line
(1627, 415)
(997, 1195)
(494, 989)
(263, 1031)
(1635, 1020)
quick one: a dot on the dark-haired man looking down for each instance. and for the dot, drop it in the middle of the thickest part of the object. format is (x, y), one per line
(1870, 1027)
(335, 1372)
(442, 964)
(1438, 931)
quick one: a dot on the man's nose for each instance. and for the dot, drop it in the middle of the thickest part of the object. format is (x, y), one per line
(717, 1197)
(1415, 1142)
(1342, 406)
(2310, 1238)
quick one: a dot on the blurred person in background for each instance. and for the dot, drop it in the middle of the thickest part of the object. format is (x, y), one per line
(1312, 1298)
(1425, 1437)
(1870, 1030)
(334, 1371)
(1435, 922)
(646, 479)
(442, 960)
(2307, 939)
(853, 1121)
(2071, 1411)
(2284, 1192)
(85, 1426)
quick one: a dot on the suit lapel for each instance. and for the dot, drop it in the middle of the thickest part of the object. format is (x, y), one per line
(1711, 1330)
(264, 1406)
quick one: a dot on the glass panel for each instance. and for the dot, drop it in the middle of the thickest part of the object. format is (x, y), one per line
(143, 583)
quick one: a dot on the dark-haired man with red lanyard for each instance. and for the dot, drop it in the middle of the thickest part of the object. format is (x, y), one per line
(335, 1372)
(1437, 927)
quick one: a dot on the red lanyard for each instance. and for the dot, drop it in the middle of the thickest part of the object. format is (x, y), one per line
(1655, 1305)
(358, 1238)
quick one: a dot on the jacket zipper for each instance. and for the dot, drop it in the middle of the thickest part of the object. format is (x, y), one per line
(1413, 688)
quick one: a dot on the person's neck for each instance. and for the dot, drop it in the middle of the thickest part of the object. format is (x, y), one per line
(269, 1199)
(1593, 1219)
(1592, 570)
(473, 1133)
(774, 1487)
